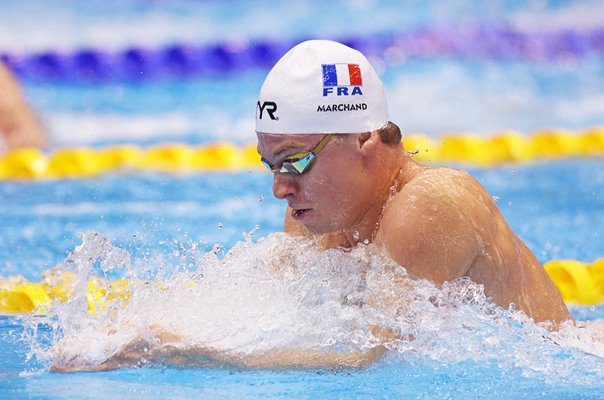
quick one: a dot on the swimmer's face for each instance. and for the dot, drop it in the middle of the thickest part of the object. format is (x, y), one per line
(331, 195)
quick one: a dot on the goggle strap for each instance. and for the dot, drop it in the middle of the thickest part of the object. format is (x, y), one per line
(322, 143)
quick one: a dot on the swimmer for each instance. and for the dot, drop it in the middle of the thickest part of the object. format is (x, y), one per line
(323, 129)
(19, 127)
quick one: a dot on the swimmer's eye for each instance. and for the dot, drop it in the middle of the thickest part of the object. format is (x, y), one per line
(298, 166)
(299, 163)
(294, 166)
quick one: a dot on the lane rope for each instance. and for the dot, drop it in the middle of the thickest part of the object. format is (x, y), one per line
(505, 147)
(189, 59)
(579, 283)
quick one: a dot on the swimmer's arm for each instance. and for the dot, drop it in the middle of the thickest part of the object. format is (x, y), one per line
(275, 359)
(138, 354)
(271, 359)
(166, 348)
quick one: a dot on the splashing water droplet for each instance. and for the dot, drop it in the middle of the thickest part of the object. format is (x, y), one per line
(284, 292)
(248, 236)
(217, 248)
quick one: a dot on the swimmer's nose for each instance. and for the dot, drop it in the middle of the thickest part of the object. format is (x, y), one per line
(283, 185)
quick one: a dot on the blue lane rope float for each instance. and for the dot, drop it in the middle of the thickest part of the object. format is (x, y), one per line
(189, 59)
(506, 147)
(578, 282)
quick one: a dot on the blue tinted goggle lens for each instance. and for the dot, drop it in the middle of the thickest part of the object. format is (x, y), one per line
(299, 166)
(299, 163)
(293, 166)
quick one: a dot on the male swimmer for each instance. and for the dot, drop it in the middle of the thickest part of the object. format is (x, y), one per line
(19, 127)
(323, 130)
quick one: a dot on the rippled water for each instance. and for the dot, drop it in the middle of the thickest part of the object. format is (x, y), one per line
(258, 291)
(283, 293)
(271, 291)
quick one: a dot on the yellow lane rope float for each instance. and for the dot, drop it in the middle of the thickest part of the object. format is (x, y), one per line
(505, 147)
(579, 283)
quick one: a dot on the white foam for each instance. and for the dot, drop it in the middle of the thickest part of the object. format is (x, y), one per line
(283, 292)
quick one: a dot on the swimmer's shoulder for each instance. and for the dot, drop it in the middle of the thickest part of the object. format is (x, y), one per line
(442, 184)
(431, 221)
(451, 198)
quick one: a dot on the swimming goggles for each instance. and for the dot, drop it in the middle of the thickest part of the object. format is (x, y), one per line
(298, 163)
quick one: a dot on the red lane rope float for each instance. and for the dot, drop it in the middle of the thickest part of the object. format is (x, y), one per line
(579, 283)
(506, 147)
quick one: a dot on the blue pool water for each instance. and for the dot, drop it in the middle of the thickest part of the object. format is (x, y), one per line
(168, 225)
(557, 207)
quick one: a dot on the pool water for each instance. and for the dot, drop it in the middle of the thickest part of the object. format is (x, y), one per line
(217, 230)
(159, 219)
(557, 207)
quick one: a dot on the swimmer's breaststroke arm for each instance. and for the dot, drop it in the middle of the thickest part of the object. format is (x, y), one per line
(270, 359)
(275, 359)
(166, 348)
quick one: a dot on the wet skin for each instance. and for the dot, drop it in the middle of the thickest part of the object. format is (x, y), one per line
(439, 223)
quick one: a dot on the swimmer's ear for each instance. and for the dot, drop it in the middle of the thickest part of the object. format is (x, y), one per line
(368, 139)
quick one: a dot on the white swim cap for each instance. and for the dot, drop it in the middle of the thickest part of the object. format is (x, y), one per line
(321, 86)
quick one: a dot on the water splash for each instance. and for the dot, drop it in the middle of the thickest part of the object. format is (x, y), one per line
(283, 292)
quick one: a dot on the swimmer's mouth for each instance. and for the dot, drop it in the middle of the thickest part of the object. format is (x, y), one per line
(299, 212)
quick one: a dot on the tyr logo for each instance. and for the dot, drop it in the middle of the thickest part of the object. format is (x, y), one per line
(269, 106)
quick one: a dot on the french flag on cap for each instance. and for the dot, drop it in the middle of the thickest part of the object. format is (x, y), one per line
(342, 75)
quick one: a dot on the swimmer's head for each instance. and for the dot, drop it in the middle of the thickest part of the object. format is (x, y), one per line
(320, 87)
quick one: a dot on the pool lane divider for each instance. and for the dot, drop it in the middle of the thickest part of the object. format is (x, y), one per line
(477, 41)
(506, 147)
(579, 283)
